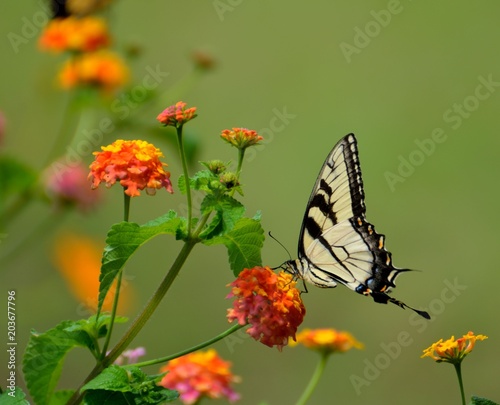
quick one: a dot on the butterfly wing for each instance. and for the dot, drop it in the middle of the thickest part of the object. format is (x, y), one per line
(337, 195)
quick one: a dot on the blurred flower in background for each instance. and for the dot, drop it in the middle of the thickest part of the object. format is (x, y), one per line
(85, 7)
(327, 340)
(103, 69)
(69, 186)
(130, 356)
(200, 374)
(203, 60)
(78, 259)
(74, 34)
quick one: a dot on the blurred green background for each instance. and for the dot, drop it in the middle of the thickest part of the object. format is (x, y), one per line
(333, 68)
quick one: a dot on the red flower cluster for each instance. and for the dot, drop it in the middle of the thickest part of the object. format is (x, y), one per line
(135, 164)
(176, 115)
(269, 302)
(200, 374)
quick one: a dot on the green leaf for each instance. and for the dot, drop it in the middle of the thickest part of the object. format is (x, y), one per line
(101, 397)
(95, 327)
(481, 401)
(117, 383)
(214, 228)
(228, 212)
(16, 397)
(244, 244)
(123, 240)
(202, 180)
(45, 355)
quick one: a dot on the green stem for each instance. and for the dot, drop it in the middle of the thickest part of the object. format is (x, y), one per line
(126, 211)
(141, 319)
(460, 382)
(113, 314)
(202, 345)
(314, 379)
(241, 155)
(182, 154)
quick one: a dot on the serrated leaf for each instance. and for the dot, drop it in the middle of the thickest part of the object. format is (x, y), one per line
(200, 181)
(131, 383)
(123, 240)
(244, 244)
(481, 401)
(16, 397)
(44, 357)
(113, 378)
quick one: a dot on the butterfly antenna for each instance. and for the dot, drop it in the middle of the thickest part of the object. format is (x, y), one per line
(281, 244)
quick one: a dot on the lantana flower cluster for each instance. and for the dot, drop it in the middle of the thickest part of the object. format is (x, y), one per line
(135, 165)
(241, 138)
(200, 374)
(269, 302)
(327, 340)
(103, 69)
(451, 350)
(177, 115)
(75, 34)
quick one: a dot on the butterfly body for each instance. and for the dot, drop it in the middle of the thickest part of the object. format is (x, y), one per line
(336, 243)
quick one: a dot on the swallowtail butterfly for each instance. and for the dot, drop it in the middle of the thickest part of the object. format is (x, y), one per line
(336, 243)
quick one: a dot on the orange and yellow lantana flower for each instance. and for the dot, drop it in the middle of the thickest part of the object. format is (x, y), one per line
(241, 138)
(200, 374)
(74, 34)
(451, 350)
(135, 165)
(327, 340)
(176, 115)
(102, 69)
(269, 302)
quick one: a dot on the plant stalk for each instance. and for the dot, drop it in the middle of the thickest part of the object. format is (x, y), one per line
(320, 367)
(202, 345)
(182, 154)
(460, 381)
